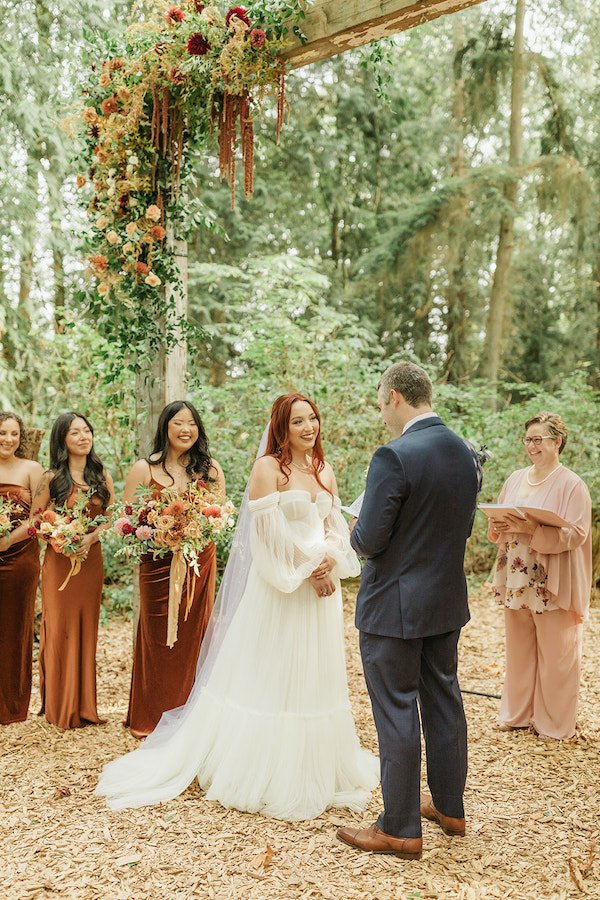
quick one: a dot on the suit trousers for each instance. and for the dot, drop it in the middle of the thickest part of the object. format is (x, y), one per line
(399, 673)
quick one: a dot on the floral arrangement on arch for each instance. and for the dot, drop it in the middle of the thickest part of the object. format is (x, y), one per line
(179, 523)
(187, 70)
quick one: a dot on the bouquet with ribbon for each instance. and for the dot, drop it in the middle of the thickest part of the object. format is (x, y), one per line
(11, 513)
(64, 529)
(179, 523)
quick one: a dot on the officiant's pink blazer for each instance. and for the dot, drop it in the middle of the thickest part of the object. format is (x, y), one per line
(565, 553)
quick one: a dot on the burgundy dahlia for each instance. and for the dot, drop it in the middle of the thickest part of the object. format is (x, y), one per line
(198, 45)
(199, 7)
(257, 38)
(240, 12)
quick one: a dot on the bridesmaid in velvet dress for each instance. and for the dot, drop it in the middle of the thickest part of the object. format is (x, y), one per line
(163, 676)
(19, 574)
(69, 630)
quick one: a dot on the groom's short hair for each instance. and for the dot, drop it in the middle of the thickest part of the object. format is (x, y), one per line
(410, 380)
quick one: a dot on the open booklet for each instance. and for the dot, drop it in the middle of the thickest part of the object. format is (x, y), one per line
(355, 507)
(541, 516)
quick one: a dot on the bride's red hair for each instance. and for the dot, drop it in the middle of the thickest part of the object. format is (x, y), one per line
(278, 440)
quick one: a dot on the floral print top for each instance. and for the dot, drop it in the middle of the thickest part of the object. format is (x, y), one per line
(519, 581)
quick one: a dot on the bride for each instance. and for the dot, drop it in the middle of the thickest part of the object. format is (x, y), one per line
(268, 726)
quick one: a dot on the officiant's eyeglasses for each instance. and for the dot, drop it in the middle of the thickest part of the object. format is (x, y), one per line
(536, 441)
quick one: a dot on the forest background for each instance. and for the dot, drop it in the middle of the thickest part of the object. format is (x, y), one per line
(434, 197)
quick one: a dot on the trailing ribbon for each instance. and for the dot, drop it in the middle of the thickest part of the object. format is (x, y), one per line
(177, 573)
(75, 569)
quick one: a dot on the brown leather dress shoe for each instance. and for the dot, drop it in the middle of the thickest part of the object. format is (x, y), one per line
(377, 841)
(451, 826)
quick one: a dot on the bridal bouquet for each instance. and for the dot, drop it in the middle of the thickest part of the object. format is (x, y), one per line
(64, 529)
(179, 523)
(11, 513)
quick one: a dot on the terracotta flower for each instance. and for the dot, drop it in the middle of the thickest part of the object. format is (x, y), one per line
(258, 38)
(153, 213)
(90, 115)
(198, 45)
(104, 80)
(176, 75)
(158, 233)
(98, 262)
(237, 12)
(152, 279)
(175, 15)
(142, 268)
(108, 106)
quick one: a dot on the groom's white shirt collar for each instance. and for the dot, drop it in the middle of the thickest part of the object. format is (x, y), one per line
(427, 415)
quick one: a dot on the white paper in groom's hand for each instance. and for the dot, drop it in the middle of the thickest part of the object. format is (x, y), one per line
(355, 507)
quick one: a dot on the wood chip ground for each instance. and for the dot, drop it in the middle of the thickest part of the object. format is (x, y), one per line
(532, 808)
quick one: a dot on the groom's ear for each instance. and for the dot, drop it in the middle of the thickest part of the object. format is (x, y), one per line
(396, 397)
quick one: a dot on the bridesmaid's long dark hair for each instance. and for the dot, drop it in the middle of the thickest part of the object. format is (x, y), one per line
(62, 483)
(199, 458)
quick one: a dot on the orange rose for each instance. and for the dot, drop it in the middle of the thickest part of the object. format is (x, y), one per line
(49, 515)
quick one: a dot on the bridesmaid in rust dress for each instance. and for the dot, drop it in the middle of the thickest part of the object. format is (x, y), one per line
(19, 574)
(163, 676)
(69, 630)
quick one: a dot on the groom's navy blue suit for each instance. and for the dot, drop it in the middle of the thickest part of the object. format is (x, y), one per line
(417, 514)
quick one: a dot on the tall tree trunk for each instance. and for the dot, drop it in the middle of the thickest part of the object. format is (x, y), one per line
(500, 294)
(456, 365)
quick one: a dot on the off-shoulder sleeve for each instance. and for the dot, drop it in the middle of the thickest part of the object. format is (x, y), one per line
(277, 558)
(578, 512)
(337, 538)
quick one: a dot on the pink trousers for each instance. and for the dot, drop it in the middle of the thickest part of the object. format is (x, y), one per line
(543, 666)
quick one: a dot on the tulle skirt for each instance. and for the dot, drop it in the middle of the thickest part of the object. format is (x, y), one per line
(271, 731)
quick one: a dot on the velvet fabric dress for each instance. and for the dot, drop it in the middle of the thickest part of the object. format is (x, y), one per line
(19, 576)
(69, 634)
(163, 676)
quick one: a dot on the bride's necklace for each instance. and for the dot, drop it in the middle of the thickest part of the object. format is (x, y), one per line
(307, 469)
(535, 483)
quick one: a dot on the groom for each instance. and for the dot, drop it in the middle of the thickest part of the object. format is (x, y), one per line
(417, 514)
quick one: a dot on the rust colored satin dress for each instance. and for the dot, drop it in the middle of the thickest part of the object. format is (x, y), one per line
(19, 576)
(69, 634)
(162, 676)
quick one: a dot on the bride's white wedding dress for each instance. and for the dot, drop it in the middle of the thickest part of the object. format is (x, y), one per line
(271, 730)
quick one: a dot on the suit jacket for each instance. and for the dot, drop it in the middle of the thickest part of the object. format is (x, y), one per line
(417, 514)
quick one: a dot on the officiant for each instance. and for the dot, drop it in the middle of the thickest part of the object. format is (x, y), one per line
(543, 578)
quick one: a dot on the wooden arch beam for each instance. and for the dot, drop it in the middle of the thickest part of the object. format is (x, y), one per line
(333, 26)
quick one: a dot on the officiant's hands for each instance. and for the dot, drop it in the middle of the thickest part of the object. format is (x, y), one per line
(514, 524)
